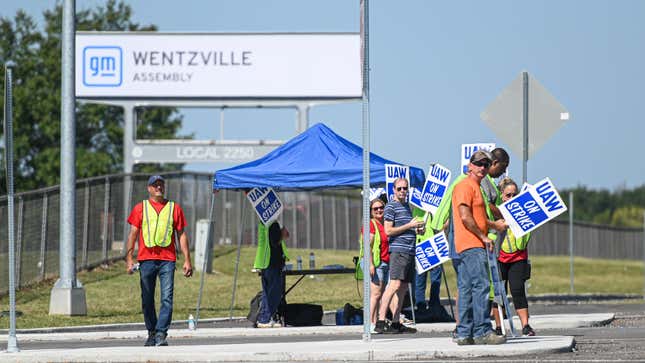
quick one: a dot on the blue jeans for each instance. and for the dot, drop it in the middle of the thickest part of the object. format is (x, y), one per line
(474, 287)
(435, 287)
(149, 270)
(272, 290)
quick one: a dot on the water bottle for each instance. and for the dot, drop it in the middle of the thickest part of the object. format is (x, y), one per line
(191, 322)
(299, 262)
(312, 261)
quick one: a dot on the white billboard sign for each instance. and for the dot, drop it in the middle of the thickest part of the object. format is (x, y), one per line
(157, 65)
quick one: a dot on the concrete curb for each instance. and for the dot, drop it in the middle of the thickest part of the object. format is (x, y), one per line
(402, 349)
(539, 322)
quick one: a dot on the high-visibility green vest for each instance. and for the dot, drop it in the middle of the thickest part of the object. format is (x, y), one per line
(512, 244)
(157, 228)
(422, 215)
(376, 247)
(263, 252)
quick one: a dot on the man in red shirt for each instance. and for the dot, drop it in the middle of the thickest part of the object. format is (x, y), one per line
(155, 223)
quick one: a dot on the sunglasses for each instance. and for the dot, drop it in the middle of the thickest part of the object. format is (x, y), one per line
(398, 189)
(157, 186)
(481, 163)
(510, 195)
(378, 208)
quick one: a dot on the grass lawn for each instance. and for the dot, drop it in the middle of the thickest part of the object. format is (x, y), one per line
(114, 297)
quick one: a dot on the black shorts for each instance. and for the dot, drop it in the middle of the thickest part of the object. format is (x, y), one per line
(402, 267)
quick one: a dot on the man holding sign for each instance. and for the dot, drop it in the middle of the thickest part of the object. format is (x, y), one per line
(401, 229)
(471, 226)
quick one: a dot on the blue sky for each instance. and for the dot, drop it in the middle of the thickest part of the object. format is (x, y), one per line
(435, 65)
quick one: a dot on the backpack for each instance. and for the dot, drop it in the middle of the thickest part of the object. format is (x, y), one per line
(254, 307)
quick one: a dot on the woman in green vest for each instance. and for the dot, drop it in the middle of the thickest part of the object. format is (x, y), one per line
(513, 261)
(379, 264)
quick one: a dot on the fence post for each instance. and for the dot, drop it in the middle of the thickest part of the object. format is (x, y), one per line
(571, 241)
(321, 221)
(43, 238)
(19, 230)
(106, 219)
(347, 243)
(334, 235)
(86, 225)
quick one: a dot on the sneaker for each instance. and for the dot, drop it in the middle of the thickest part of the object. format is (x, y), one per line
(276, 324)
(268, 324)
(402, 329)
(150, 342)
(498, 330)
(490, 339)
(380, 327)
(391, 328)
(404, 319)
(528, 331)
(464, 341)
(160, 339)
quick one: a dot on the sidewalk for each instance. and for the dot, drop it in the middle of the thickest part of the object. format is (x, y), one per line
(390, 348)
(396, 349)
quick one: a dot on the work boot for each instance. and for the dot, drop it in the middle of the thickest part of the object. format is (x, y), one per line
(150, 342)
(490, 339)
(160, 339)
(464, 341)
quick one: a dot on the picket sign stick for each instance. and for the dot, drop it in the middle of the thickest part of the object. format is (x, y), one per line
(414, 319)
(499, 291)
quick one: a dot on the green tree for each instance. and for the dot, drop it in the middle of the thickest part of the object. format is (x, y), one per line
(628, 216)
(37, 101)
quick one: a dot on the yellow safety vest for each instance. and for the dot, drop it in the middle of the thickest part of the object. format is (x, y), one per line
(157, 228)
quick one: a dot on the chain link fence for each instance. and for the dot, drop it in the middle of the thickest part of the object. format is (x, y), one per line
(316, 220)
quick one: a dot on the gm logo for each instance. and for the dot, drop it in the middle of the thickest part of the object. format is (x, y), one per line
(102, 66)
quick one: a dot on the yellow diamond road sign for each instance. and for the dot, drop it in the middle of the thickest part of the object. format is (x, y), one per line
(504, 115)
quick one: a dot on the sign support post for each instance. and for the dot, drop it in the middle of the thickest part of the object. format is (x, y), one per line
(525, 124)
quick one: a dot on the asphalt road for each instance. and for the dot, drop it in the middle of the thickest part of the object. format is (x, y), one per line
(621, 340)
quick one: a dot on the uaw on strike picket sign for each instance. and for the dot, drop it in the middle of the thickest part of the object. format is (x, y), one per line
(266, 204)
(431, 252)
(467, 150)
(393, 172)
(532, 208)
(434, 189)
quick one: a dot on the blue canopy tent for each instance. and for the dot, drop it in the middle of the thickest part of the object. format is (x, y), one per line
(316, 159)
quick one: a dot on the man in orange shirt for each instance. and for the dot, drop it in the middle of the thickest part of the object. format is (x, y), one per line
(471, 226)
(155, 221)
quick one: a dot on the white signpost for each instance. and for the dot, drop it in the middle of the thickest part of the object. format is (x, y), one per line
(533, 207)
(431, 252)
(266, 204)
(467, 150)
(393, 172)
